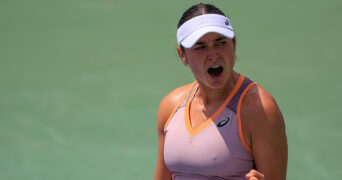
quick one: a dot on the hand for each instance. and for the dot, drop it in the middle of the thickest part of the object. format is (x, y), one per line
(254, 175)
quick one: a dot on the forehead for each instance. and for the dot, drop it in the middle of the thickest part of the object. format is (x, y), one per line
(210, 37)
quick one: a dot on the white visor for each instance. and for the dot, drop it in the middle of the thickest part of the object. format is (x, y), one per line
(192, 30)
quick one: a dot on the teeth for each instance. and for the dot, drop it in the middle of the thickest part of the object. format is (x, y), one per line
(215, 66)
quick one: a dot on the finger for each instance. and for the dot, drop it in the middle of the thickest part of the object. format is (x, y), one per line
(253, 178)
(251, 172)
(255, 174)
(259, 175)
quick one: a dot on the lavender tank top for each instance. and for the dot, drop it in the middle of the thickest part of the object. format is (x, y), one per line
(216, 150)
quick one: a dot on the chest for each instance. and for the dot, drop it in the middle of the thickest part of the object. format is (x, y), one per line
(199, 113)
(214, 150)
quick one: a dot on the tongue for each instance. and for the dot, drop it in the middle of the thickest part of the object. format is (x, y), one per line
(215, 71)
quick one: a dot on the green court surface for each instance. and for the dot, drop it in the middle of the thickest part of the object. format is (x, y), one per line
(81, 81)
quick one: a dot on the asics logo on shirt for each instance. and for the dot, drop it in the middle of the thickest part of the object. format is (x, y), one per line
(223, 122)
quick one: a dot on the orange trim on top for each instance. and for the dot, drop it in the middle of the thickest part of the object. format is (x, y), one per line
(187, 110)
(208, 121)
(238, 112)
(180, 102)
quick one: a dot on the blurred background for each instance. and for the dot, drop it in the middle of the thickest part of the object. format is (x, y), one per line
(81, 81)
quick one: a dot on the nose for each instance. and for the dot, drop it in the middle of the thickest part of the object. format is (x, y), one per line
(212, 53)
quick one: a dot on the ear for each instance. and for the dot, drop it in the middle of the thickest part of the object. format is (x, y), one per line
(234, 43)
(182, 56)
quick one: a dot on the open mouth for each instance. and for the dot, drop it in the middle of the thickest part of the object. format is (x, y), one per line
(215, 70)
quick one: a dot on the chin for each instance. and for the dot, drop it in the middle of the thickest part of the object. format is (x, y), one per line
(216, 85)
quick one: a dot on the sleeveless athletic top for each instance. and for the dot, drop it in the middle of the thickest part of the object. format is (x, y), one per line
(216, 150)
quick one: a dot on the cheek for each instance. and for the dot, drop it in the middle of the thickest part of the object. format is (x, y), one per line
(230, 55)
(194, 68)
(193, 61)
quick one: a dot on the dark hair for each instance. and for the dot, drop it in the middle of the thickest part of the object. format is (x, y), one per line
(197, 10)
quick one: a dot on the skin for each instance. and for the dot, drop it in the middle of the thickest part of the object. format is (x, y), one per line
(262, 122)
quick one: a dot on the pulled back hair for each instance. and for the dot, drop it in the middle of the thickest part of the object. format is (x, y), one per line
(197, 10)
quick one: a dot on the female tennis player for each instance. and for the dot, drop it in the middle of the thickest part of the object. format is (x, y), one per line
(223, 125)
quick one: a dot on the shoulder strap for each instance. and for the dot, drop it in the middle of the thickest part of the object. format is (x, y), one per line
(235, 100)
(182, 102)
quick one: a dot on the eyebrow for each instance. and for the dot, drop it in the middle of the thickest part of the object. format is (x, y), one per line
(218, 39)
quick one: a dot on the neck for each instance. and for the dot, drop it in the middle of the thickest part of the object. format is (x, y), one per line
(208, 95)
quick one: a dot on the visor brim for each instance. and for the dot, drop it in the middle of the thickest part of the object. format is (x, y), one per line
(190, 41)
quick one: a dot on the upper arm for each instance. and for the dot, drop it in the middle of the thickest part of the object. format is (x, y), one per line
(166, 107)
(265, 130)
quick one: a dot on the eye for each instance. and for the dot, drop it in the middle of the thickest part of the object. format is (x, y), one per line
(199, 47)
(221, 43)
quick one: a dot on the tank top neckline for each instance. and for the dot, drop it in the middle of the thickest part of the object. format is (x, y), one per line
(187, 120)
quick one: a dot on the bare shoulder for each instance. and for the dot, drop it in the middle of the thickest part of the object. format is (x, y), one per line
(259, 107)
(169, 103)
